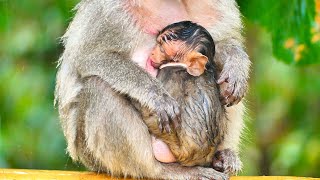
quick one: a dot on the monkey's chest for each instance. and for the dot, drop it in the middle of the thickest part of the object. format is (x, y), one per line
(153, 16)
(141, 55)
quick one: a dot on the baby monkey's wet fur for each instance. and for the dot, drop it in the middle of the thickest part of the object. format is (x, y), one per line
(203, 116)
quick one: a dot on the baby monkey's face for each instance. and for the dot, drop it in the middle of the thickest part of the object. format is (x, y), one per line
(171, 51)
(165, 52)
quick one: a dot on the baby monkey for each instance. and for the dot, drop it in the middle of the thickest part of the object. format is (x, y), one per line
(184, 44)
(184, 53)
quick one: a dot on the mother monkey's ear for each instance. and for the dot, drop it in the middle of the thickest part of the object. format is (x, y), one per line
(196, 63)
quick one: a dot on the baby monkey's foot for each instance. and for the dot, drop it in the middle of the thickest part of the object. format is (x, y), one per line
(227, 161)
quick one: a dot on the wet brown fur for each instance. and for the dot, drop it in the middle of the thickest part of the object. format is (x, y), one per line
(203, 116)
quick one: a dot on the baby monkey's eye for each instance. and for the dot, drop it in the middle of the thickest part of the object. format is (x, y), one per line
(161, 49)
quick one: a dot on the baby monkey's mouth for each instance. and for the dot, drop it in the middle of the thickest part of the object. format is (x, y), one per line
(158, 65)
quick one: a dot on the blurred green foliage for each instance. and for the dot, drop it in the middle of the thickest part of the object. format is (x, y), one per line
(283, 106)
(30, 135)
(282, 137)
(294, 27)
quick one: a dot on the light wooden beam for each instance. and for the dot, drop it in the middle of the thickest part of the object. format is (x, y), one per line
(24, 174)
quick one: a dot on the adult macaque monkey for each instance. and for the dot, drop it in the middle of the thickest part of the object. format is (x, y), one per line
(106, 61)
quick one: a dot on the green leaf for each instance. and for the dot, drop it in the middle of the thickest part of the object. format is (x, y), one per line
(294, 27)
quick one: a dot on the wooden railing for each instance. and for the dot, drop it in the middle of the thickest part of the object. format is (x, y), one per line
(24, 174)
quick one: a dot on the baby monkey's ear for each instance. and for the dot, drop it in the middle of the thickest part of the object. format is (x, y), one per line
(196, 63)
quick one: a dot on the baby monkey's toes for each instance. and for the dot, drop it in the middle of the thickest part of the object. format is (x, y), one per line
(227, 161)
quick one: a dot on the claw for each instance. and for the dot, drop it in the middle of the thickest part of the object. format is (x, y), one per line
(231, 87)
(223, 79)
(165, 121)
(231, 100)
(226, 93)
(237, 100)
(224, 101)
(176, 123)
(167, 128)
(160, 124)
(177, 120)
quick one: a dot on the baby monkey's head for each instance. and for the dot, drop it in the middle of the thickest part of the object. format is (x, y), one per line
(184, 44)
